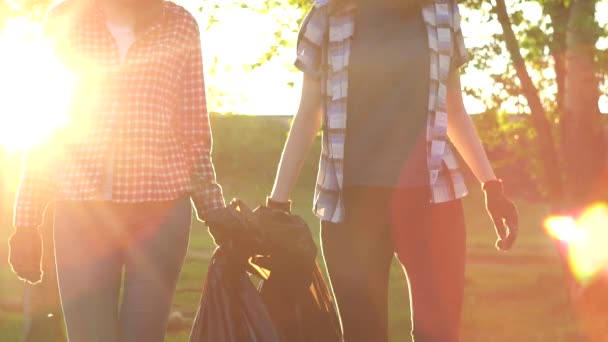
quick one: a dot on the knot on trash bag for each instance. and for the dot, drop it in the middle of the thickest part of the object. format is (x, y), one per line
(233, 229)
(274, 240)
(291, 303)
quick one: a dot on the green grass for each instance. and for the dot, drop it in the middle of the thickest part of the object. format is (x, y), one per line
(516, 296)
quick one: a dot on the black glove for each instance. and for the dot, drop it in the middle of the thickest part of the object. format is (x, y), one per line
(25, 254)
(226, 225)
(503, 213)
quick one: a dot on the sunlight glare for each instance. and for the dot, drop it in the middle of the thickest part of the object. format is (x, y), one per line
(36, 87)
(585, 237)
(564, 229)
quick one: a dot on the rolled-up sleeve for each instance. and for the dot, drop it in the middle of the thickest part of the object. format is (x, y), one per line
(310, 42)
(461, 56)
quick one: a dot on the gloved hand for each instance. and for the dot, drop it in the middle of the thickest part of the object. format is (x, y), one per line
(225, 224)
(25, 254)
(503, 213)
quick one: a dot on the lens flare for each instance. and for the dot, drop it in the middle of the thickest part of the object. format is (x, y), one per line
(585, 237)
(36, 87)
(563, 228)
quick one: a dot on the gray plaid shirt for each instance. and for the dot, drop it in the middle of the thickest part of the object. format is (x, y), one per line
(324, 52)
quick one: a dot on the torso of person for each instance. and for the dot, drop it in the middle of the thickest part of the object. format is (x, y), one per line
(124, 37)
(126, 135)
(137, 108)
(388, 99)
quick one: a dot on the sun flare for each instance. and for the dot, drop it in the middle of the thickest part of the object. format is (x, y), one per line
(36, 88)
(585, 237)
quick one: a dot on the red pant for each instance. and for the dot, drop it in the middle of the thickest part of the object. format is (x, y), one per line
(429, 241)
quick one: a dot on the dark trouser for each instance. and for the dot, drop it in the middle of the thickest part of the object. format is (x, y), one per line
(94, 242)
(429, 241)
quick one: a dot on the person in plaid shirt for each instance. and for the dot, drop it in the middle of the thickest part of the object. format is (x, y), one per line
(381, 76)
(125, 169)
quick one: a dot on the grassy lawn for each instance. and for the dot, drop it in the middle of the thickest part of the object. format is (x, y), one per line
(517, 296)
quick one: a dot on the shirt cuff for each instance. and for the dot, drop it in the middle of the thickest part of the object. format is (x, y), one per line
(207, 201)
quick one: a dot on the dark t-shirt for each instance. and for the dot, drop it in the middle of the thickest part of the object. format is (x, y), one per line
(388, 99)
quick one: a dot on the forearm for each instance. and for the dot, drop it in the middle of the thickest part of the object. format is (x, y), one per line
(301, 137)
(299, 142)
(464, 137)
(195, 130)
(207, 194)
(463, 134)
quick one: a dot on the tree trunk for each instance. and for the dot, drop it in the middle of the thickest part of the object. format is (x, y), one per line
(582, 134)
(559, 14)
(584, 149)
(548, 153)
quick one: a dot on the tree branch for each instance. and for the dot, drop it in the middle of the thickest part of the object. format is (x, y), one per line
(552, 171)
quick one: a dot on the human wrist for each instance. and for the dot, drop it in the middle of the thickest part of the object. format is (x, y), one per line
(493, 186)
(278, 205)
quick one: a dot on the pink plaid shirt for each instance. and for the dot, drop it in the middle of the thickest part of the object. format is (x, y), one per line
(147, 115)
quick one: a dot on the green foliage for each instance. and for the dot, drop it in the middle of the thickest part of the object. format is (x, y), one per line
(246, 151)
(493, 280)
(249, 147)
(274, 7)
(31, 9)
(540, 40)
(509, 141)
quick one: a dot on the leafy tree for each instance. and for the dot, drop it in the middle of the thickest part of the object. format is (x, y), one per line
(31, 9)
(556, 70)
(554, 74)
(563, 109)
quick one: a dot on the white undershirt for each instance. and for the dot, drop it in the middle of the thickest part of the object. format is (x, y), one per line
(124, 35)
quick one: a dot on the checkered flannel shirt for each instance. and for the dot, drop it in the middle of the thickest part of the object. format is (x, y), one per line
(323, 52)
(148, 113)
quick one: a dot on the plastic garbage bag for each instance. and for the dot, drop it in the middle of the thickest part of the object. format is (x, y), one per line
(294, 291)
(292, 302)
(231, 309)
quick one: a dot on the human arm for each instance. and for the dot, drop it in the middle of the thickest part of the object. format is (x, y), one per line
(463, 135)
(36, 186)
(308, 118)
(195, 130)
(304, 130)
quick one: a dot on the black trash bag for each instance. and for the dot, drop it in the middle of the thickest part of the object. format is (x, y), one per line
(292, 303)
(231, 309)
(300, 313)
(296, 296)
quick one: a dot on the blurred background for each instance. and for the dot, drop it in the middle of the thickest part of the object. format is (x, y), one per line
(536, 88)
